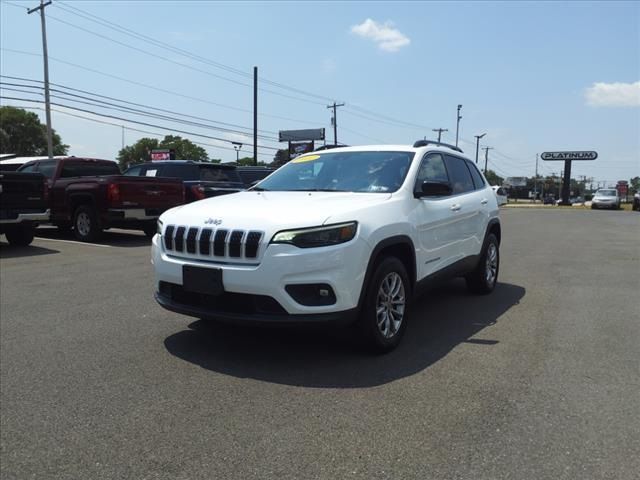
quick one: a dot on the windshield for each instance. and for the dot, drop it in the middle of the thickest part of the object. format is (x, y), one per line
(342, 172)
(606, 193)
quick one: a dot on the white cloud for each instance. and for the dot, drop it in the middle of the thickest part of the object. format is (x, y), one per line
(387, 37)
(613, 94)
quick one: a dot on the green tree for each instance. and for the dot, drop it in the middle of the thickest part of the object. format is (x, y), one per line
(185, 148)
(22, 133)
(248, 161)
(141, 150)
(634, 185)
(281, 157)
(493, 178)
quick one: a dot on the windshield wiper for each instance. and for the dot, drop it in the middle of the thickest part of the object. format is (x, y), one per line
(319, 190)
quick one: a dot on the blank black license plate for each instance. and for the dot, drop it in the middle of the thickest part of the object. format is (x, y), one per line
(202, 280)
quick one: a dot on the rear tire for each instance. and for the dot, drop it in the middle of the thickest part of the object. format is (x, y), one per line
(86, 227)
(484, 278)
(20, 236)
(384, 314)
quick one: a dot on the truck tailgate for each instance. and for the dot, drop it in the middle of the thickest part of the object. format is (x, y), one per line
(24, 192)
(148, 192)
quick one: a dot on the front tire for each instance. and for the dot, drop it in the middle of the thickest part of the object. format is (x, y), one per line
(484, 278)
(150, 230)
(21, 236)
(384, 314)
(86, 227)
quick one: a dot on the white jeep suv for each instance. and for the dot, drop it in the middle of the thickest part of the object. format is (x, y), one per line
(347, 234)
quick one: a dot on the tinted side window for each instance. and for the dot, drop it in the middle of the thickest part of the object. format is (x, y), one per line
(216, 174)
(475, 174)
(133, 172)
(29, 168)
(89, 169)
(432, 169)
(47, 168)
(459, 175)
(183, 171)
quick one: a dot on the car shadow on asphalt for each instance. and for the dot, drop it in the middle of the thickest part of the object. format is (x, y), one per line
(323, 357)
(11, 251)
(112, 238)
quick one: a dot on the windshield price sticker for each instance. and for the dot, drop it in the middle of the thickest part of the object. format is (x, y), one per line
(305, 158)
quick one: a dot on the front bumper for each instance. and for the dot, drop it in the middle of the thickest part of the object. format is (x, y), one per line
(39, 217)
(342, 267)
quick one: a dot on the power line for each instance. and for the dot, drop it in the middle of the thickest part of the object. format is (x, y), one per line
(158, 89)
(104, 104)
(134, 121)
(132, 129)
(108, 24)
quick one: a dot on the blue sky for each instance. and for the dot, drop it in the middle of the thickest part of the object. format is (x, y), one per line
(536, 76)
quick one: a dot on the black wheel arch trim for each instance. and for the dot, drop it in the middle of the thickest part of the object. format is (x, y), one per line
(396, 240)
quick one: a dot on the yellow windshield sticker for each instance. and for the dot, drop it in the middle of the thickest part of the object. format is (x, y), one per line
(305, 158)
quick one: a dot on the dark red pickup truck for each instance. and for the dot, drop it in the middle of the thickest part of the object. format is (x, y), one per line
(90, 196)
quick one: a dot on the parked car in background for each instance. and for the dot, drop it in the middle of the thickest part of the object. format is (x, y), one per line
(549, 200)
(23, 205)
(251, 175)
(91, 195)
(200, 179)
(501, 195)
(606, 198)
(636, 202)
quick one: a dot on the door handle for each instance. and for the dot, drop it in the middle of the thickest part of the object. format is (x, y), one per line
(455, 207)
(484, 201)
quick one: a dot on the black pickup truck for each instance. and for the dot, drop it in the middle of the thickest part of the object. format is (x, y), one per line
(201, 179)
(23, 205)
(91, 195)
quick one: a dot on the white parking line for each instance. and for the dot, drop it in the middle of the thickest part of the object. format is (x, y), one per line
(73, 241)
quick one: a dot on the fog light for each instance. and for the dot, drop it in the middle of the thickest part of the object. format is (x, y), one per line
(312, 294)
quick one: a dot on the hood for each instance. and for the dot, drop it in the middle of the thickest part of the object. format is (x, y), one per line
(271, 211)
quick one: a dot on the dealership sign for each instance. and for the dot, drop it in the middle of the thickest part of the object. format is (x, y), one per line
(165, 154)
(301, 135)
(569, 155)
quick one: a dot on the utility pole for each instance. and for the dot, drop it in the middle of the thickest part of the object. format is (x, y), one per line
(439, 130)
(458, 123)
(255, 115)
(535, 182)
(478, 137)
(334, 121)
(47, 103)
(486, 158)
(123, 137)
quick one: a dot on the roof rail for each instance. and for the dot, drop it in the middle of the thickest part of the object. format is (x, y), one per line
(424, 143)
(328, 147)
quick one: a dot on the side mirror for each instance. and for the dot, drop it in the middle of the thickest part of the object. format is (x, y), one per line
(434, 189)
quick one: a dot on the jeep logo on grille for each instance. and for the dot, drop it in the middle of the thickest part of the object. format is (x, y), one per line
(212, 221)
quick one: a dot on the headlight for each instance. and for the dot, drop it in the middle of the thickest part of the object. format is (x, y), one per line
(318, 236)
(159, 224)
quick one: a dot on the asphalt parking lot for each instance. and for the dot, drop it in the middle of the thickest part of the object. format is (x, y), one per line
(539, 380)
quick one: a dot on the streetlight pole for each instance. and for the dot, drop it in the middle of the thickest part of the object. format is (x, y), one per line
(478, 137)
(458, 123)
(237, 146)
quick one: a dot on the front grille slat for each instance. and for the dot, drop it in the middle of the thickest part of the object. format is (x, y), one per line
(251, 244)
(205, 241)
(219, 243)
(179, 241)
(168, 237)
(208, 241)
(191, 240)
(235, 243)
